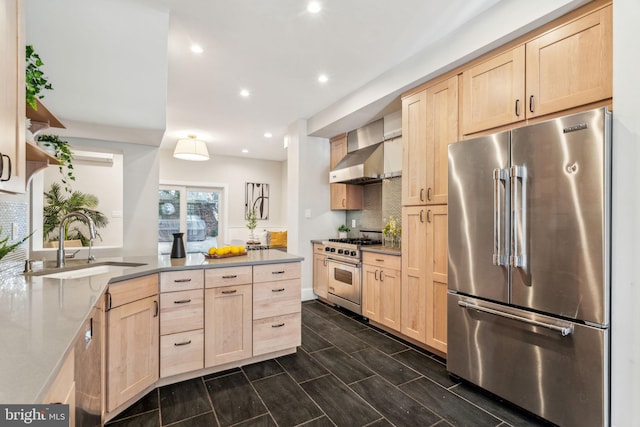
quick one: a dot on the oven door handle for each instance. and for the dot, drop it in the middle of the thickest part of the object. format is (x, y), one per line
(348, 264)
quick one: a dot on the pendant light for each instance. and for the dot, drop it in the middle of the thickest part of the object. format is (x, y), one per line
(191, 149)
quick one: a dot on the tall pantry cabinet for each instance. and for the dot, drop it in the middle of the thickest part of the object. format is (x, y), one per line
(429, 125)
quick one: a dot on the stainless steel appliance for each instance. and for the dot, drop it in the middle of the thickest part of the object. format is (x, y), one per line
(344, 264)
(529, 266)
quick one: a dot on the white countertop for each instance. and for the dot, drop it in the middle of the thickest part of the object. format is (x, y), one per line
(40, 317)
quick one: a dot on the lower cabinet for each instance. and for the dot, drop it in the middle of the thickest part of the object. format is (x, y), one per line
(276, 333)
(436, 291)
(63, 388)
(320, 272)
(381, 289)
(181, 352)
(132, 338)
(228, 334)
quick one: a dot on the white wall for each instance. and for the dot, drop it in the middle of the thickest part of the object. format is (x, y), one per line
(232, 173)
(308, 193)
(625, 295)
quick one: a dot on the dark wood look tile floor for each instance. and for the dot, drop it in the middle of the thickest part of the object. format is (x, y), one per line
(345, 373)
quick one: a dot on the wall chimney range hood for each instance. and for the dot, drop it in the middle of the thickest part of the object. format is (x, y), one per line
(365, 159)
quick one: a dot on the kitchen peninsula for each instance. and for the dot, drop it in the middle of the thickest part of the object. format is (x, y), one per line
(41, 318)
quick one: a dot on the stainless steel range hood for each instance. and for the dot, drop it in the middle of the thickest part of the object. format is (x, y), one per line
(364, 161)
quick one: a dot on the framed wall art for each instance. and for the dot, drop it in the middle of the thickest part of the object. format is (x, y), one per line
(256, 197)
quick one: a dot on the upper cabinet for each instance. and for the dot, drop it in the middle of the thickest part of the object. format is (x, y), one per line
(493, 92)
(343, 196)
(566, 67)
(571, 65)
(429, 125)
(12, 101)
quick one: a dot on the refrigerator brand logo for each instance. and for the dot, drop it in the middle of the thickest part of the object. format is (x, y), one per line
(575, 128)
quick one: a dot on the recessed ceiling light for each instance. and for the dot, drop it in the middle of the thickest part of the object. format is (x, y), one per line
(323, 78)
(268, 135)
(314, 7)
(196, 48)
(244, 150)
(244, 93)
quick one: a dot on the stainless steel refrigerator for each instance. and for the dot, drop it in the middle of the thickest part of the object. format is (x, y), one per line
(529, 266)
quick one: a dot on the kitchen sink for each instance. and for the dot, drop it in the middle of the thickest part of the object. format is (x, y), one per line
(82, 270)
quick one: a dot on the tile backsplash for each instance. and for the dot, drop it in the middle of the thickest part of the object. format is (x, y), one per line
(14, 209)
(381, 200)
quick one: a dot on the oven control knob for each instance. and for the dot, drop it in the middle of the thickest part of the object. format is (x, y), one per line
(353, 253)
(333, 249)
(327, 249)
(340, 251)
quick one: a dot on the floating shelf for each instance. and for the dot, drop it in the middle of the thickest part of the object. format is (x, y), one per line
(42, 118)
(38, 159)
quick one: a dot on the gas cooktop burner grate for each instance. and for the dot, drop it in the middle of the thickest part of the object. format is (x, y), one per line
(357, 241)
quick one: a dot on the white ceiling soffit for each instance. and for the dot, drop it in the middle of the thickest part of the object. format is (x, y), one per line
(107, 61)
(496, 23)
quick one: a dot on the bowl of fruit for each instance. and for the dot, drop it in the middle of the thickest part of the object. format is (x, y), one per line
(225, 252)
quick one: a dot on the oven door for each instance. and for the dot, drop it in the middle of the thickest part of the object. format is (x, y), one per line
(344, 285)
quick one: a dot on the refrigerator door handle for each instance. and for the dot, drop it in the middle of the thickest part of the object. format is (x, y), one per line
(563, 330)
(518, 259)
(498, 251)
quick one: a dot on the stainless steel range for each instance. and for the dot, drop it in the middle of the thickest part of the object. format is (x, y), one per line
(344, 262)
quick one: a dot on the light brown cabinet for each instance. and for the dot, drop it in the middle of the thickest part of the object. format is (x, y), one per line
(181, 322)
(571, 65)
(493, 92)
(414, 149)
(133, 314)
(277, 322)
(320, 272)
(381, 289)
(566, 67)
(228, 315)
(414, 273)
(343, 196)
(437, 266)
(12, 101)
(63, 388)
(424, 275)
(430, 124)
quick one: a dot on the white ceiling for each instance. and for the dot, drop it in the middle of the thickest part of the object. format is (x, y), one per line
(122, 70)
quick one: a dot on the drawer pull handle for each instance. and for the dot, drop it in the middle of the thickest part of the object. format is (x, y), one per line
(277, 290)
(182, 301)
(231, 276)
(230, 292)
(178, 344)
(379, 260)
(182, 280)
(278, 272)
(279, 325)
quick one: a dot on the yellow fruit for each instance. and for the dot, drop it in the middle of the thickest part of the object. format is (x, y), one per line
(212, 250)
(234, 249)
(223, 251)
(242, 249)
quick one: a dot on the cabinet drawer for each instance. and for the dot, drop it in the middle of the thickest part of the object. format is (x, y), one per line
(276, 298)
(276, 333)
(181, 352)
(181, 311)
(391, 262)
(131, 290)
(228, 276)
(271, 272)
(183, 280)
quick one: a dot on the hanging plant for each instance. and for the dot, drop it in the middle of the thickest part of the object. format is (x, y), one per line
(35, 78)
(62, 151)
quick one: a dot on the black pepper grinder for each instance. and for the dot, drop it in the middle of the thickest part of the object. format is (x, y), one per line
(177, 250)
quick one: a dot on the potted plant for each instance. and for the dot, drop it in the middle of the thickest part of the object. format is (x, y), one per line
(342, 231)
(57, 205)
(62, 151)
(252, 221)
(35, 79)
(392, 232)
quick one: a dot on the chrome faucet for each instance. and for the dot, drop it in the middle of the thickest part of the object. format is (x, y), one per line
(92, 235)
